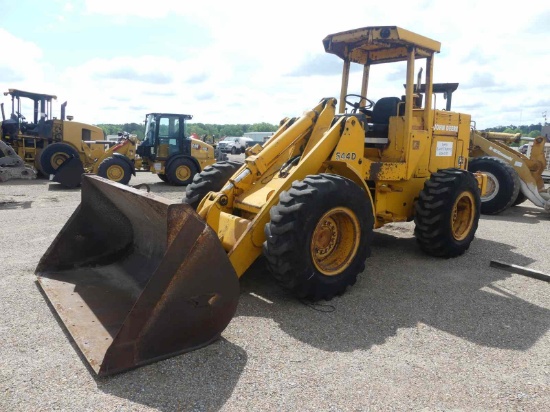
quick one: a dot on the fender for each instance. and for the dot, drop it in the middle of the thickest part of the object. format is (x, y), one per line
(179, 156)
(130, 163)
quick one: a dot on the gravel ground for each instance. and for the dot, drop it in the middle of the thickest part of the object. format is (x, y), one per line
(414, 333)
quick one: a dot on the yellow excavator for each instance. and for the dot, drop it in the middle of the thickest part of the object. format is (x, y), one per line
(136, 278)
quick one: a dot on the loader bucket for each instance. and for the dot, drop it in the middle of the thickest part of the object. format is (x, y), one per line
(136, 278)
(69, 173)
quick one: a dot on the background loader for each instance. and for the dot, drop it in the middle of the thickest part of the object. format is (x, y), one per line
(45, 142)
(512, 177)
(169, 153)
(136, 278)
(165, 151)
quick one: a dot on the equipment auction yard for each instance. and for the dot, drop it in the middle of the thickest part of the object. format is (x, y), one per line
(414, 333)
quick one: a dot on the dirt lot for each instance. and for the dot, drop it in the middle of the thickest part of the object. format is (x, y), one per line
(414, 333)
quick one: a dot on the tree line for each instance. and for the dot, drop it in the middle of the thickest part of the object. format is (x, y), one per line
(213, 131)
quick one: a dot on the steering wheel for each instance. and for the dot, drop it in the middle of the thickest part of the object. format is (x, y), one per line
(356, 105)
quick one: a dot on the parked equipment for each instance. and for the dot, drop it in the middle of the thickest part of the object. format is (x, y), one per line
(30, 138)
(167, 152)
(512, 176)
(12, 166)
(136, 278)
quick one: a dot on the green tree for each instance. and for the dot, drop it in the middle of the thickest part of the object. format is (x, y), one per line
(262, 127)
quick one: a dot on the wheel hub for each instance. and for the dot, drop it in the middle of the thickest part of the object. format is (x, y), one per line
(462, 218)
(183, 173)
(335, 241)
(492, 187)
(57, 159)
(115, 173)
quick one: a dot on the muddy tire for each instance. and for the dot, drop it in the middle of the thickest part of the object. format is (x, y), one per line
(116, 170)
(319, 236)
(447, 213)
(54, 155)
(211, 179)
(181, 171)
(503, 184)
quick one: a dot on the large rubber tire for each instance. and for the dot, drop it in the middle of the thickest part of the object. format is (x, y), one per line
(503, 184)
(181, 171)
(447, 213)
(233, 150)
(520, 199)
(319, 236)
(116, 170)
(211, 179)
(162, 177)
(54, 155)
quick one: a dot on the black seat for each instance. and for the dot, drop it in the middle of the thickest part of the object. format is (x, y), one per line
(383, 109)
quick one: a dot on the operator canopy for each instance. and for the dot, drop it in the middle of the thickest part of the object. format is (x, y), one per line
(380, 44)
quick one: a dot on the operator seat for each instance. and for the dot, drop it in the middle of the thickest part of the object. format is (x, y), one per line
(384, 108)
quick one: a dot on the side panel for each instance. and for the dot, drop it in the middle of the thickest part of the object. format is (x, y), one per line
(202, 152)
(450, 137)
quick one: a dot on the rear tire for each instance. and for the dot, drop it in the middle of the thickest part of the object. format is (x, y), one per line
(447, 213)
(211, 179)
(319, 236)
(181, 171)
(54, 155)
(116, 170)
(520, 199)
(503, 184)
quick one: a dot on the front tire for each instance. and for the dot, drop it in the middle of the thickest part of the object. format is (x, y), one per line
(181, 171)
(447, 213)
(54, 155)
(233, 150)
(116, 170)
(503, 184)
(211, 179)
(319, 236)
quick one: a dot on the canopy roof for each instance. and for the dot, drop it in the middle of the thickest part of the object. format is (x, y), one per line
(380, 44)
(30, 95)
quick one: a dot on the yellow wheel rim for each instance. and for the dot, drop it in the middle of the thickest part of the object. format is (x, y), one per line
(115, 173)
(462, 218)
(183, 173)
(57, 159)
(335, 241)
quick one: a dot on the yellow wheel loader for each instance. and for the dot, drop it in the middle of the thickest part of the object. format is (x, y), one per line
(165, 151)
(169, 153)
(45, 142)
(512, 177)
(136, 278)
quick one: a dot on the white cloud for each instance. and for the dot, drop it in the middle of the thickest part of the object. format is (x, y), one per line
(251, 70)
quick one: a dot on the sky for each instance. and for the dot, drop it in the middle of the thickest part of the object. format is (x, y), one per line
(235, 62)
